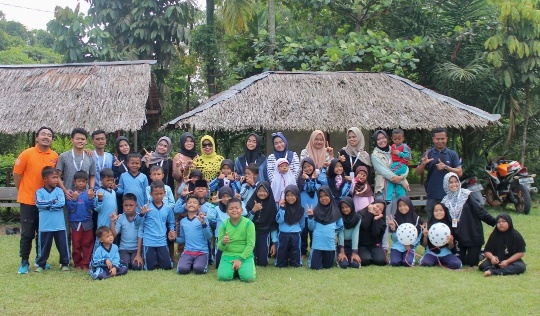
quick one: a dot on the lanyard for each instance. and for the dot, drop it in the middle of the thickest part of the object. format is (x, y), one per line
(74, 164)
(255, 162)
(453, 212)
(97, 158)
(350, 160)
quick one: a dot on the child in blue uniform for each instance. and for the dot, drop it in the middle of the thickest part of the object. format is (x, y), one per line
(333, 177)
(124, 224)
(403, 255)
(105, 202)
(291, 221)
(226, 178)
(156, 173)
(50, 203)
(324, 221)
(106, 259)
(308, 184)
(134, 181)
(348, 237)
(249, 181)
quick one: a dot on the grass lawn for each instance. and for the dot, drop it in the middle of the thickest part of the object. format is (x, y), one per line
(370, 290)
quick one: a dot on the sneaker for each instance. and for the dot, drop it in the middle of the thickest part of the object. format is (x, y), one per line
(65, 269)
(23, 268)
(47, 266)
(39, 270)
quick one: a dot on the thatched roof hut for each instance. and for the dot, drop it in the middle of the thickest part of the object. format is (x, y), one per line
(330, 101)
(107, 95)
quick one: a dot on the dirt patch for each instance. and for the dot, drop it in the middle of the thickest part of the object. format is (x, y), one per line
(4, 228)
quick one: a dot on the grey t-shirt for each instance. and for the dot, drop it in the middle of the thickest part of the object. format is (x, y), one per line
(69, 163)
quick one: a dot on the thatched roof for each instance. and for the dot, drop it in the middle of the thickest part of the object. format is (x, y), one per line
(108, 95)
(330, 101)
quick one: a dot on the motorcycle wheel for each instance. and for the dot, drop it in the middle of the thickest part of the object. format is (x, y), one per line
(491, 198)
(523, 198)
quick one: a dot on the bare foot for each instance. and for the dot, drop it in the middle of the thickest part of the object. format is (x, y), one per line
(487, 273)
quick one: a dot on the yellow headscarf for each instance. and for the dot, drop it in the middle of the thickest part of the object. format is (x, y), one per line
(208, 164)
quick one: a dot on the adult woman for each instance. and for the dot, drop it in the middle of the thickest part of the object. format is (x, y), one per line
(209, 162)
(183, 160)
(467, 215)
(281, 150)
(252, 155)
(161, 158)
(353, 155)
(122, 149)
(316, 149)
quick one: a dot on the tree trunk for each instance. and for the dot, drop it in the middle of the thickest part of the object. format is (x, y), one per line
(272, 26)
(210, 63)
(525, 124)
(358, 19)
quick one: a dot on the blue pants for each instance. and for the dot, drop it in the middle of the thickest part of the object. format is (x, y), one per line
(288, 251)
(262, 246)
(398, 258)
(321, 259)
(127, 258)
(450, 261)
(100, 273)
(155, 257)
(348, 252)
(197, 263)
(45, 243)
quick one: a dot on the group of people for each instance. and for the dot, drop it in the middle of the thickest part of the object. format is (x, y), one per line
(113, 212)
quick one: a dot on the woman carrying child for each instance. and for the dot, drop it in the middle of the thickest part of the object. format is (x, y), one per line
(403, 255)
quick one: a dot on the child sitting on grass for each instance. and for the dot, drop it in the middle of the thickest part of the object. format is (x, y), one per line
(403, 255)
(106, 259)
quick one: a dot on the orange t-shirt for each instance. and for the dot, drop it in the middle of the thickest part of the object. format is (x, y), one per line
(29, 165)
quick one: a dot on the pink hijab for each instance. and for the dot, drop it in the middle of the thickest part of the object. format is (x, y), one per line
(318, 155)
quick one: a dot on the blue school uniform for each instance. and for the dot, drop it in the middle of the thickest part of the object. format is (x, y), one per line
(168, 199)
(324, 235)
(128, 232)
(194, 235)
(105, 207)
(136, 185)
(217, 184)
(51, 211)
(80, 211)
(153, 225)
(345, 189)
(99, 270)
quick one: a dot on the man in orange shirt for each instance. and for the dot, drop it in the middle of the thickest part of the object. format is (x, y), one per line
(27, 178)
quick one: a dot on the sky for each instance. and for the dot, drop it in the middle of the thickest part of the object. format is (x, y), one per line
(35, 14)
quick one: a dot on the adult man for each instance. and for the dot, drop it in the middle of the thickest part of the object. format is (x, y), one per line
(101, 158)
(438, 161)
(27, 178)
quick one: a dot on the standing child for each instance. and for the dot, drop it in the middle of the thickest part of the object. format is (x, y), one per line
(80, 209)
(124, 224)
(262, 211)
(226, 178)
(283, 177)
(106, 259)
(324, 221)
(403, 255)
(439, 255)
(156, 173)
(194, 234)
(348, 237)
(105, 200)
(50, 203)
(361, 190)
(134, 181)
(339, 184)
(291, 221)
(251, 174)
(401, 155)
(504, 249)
(155, 219)
(189, 181)
(237, 241)
(308, 184)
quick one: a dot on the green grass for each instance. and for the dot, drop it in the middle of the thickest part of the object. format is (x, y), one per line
(370, 290)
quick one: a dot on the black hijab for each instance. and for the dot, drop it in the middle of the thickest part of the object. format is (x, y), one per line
(505, 244)
(119, 155)
(410, 217)
(352, 219)
(224, 190)
(253, 156)
(293, 212)
(265, 219)
(326, 214)
(336, 191)
(300, 182)
(376, 135)
(447, 220)
(188, 153)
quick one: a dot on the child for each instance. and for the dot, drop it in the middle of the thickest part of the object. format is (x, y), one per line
(154, 220)
(324, 221)
(283, 177)
(106, 260)
(195, 234)
(308, 184)
(504, 249)
(80, 209)
(291, 221)
(189, 181)
(262, 211)
(404, 254)
(134, 181)
(50, 203)
(361, 190)
(348, 237)
(251, 174)
(105, 200)
(225, 178)
(124, 224)
(339, 184)
(237, 242)
(401, 155)
(156, 173)
(439, 255)
(372, 230)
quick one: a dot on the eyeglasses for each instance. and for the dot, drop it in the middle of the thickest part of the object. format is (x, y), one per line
(207, 145)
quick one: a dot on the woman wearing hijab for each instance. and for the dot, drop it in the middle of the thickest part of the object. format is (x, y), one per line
(353, 155)
(317, 150)
(291, 221)
(372, 229)
(183, 160)
(348, 237)
(161, 158)
(122, 149)
(252, 155)
(281, 150)
(467, 214)
(209, 162)
(504, 249)
(324, 221)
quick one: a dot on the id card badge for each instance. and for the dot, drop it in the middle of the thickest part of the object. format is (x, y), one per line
(351, 174)
(454, 222)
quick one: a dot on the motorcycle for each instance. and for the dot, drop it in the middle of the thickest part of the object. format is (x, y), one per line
(509, 182)
(470, 182)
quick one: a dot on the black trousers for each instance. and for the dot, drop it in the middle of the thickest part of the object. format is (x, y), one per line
(29, 229)
(372, 255)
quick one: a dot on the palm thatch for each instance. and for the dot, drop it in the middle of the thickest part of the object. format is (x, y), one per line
(330, 101)
(110, 96)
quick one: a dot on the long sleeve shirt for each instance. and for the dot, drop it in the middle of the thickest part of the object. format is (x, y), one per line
(153, 225)
(194, 235)
(351, 234)
(286, 228)
(51, 209)
(101, 255)
(81, 209)
(214, 185)
(214, 214)
(324, 235)
(241, 238)
(136, 185)
(105, 207)
(168, 199)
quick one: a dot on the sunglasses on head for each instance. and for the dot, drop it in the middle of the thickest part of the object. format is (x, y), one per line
(207, 145)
